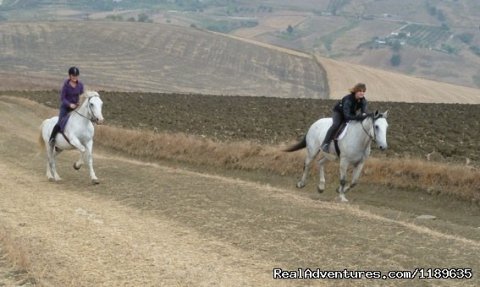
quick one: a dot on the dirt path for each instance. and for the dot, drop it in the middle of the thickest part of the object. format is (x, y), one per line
(153, 225)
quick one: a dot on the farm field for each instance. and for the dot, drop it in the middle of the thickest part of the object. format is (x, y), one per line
(165, 222)
(449, 132)
(147, 57)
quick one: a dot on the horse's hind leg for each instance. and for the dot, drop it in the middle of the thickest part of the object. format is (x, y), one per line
(49, 171)
(321, 184)
(343, 180)
(51, 165)
(306, 168)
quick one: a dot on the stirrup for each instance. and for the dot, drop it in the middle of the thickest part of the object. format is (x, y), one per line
(326, 153)
(326, 148)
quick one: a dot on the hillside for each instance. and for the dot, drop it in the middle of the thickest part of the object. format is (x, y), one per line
(427, 39)
(152, 57)
(147, 57)
(393, 87)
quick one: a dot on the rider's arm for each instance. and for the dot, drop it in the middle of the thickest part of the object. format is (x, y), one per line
(363, 108)
(347, 104)
(63, 97)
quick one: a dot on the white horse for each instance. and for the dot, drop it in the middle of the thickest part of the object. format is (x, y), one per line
(78, 132)
(354, 148)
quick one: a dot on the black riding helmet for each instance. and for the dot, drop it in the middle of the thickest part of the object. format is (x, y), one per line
(74, 71)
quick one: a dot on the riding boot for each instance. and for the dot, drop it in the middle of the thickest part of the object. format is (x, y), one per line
(55, 131)
(328, 139)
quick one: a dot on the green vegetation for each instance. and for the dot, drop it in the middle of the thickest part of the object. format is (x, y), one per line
(449, 49)
(226, 26)
(290, 34)
(289, 29)
(335, 5)
(475, 50)
(331, 37)
(425, 36)
(466, 38)
(435, 12)
(395, 60)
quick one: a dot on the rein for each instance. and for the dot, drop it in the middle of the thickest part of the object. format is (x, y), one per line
(93, 119)
(374, 137)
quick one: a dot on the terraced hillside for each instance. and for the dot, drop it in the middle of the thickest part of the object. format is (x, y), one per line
(153, 57)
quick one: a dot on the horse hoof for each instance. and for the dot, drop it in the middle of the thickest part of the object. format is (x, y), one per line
(320, 190)
(95, 181)
(75, 166)
(51, 179)
(300, 184)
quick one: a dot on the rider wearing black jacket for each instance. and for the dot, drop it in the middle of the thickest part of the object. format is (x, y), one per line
(347, 110)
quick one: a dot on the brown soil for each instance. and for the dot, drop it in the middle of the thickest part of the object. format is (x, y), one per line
(442, 132)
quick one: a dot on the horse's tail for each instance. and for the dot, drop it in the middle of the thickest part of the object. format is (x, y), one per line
(297, 146)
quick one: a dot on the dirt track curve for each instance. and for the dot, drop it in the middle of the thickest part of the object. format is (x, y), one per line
(148, 224)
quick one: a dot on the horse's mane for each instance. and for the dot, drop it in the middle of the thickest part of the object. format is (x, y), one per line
(85, 96)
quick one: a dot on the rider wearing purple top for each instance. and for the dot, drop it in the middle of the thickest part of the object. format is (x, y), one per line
(69, 97)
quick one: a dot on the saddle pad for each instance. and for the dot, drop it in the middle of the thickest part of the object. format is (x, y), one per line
(342, 132)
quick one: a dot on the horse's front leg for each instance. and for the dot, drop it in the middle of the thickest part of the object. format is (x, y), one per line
(87, 152)
(356, 173)
(51, 164)
(89, 158)
(79, 163)
(343, 180)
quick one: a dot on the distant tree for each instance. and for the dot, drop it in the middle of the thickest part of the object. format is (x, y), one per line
(396, 45)
(289, 29)
(395, 60)
(449, 49)
(475, 50)
(142, 17)
(466, 37)
(441, 16)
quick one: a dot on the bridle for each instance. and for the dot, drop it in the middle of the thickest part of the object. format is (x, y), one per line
(374, 137)
(93, 118)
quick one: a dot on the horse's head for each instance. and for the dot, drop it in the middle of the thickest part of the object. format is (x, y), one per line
(93, 106)
(380, 126)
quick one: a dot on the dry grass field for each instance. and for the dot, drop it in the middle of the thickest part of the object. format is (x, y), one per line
(174, 223)
(152, 57)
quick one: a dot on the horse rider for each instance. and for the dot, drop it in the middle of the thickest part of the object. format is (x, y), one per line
(347, 110)
(69, 97)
